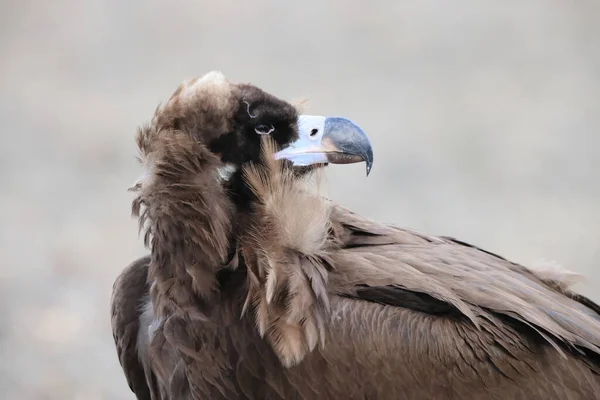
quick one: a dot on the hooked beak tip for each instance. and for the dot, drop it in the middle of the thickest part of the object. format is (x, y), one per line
(350, 140)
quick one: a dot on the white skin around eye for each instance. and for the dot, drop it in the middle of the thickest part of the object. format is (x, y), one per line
(264, 133)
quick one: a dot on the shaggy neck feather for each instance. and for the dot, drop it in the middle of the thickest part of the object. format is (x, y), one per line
(187, 216)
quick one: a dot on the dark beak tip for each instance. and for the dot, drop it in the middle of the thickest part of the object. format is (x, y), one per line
(351, 142)
(369, 159)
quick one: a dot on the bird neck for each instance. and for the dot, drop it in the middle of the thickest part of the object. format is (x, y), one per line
(187, 215)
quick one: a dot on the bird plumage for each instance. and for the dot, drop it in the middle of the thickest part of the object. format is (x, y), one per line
(258, 288)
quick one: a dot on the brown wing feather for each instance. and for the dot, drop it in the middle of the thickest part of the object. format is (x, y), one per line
(129, 290)
(476, 282)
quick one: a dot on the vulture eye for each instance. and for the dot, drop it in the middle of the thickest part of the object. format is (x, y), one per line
(264, 129)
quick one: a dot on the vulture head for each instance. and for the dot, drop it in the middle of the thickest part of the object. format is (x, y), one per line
(194, 195)
(211, 120)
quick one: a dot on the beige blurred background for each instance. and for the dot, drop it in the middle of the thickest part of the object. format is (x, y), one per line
(483, 115)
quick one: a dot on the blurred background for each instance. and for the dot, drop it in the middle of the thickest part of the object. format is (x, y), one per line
(483, 116)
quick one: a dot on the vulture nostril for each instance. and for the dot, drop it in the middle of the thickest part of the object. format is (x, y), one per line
(313, 132)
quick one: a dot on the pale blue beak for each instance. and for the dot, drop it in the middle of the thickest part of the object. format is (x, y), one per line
(323, 140)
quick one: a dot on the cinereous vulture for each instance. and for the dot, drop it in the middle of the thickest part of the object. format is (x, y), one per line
(256, 287)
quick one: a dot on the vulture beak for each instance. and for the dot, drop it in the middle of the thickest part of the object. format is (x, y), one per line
(323, 140)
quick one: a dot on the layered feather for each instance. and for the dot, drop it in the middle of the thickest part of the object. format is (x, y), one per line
(478, 284)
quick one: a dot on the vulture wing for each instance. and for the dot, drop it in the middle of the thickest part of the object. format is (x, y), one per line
(472, 322)
(399, 267)
(129, 290)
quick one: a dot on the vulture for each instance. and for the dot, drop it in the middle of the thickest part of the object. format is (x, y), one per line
(257, 287)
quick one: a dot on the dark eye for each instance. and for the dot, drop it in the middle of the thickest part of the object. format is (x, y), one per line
(264, 129)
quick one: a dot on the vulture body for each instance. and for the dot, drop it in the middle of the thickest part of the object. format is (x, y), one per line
(258, 288)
